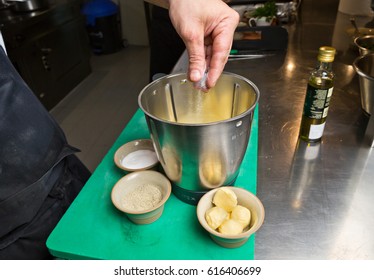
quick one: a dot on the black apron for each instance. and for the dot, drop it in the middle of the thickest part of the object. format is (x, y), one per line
(39, 174)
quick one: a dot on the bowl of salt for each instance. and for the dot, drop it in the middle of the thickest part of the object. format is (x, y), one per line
(136, 155)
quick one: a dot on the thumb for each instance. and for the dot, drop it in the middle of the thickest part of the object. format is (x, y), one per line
(196, 59)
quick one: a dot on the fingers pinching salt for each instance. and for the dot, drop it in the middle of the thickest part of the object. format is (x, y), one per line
(201, 85)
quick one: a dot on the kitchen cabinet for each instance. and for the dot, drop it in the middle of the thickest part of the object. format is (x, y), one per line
(50, 50)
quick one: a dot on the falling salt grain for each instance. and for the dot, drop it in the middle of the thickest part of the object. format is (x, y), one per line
(139, 159)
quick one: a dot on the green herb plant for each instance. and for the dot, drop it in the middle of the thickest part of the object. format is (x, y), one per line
(268, 10)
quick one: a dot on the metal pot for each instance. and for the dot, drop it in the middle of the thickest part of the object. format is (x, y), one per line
(28, 5)
(364, 66)
(365, 44)
(200, 138)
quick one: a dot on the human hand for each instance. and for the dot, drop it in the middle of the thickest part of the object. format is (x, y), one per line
(207, 28)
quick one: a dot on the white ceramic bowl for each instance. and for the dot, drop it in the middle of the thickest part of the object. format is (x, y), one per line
(246, 199)
(131, 183)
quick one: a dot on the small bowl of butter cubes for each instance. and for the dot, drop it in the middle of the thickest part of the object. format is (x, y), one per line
(230, 215)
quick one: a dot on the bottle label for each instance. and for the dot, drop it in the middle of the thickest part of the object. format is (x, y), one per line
(316, 131)
(317, 102)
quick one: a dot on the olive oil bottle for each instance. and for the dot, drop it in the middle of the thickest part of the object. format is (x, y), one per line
(318, 95)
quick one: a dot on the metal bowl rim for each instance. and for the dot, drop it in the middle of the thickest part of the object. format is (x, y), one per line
(240, 116)
(358, 70)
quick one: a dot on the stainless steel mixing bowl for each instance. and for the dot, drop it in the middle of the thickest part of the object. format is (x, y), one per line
(200, 137)
(365, 44)
(364, 66)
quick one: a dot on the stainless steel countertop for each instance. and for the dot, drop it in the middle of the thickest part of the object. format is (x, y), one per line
(319, 199)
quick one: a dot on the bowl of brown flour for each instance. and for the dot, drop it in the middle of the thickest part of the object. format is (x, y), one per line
(141, 195)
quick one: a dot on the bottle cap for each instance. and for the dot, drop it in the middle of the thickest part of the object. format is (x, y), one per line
(326, 54)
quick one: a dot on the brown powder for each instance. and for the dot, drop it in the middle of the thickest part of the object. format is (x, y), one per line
(142, 197)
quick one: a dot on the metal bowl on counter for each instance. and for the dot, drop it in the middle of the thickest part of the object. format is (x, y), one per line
(364, 66)
(28, 5)
(200, 137)
(365, 44)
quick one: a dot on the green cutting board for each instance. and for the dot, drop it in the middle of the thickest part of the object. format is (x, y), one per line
(93, 228)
